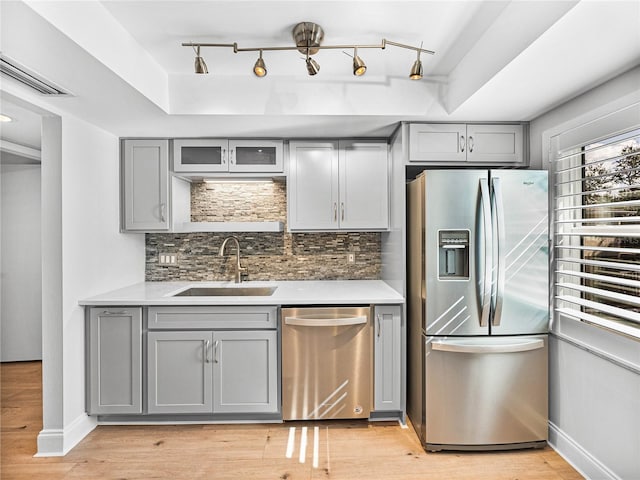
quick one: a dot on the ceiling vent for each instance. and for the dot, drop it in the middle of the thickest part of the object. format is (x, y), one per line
(13, 69)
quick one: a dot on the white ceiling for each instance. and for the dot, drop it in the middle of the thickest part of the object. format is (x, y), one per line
(495, 60)
(24, 129)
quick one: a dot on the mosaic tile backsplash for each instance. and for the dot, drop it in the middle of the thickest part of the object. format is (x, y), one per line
(268, 256)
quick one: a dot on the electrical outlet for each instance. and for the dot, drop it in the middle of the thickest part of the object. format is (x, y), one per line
(351, 257)
(167, 259)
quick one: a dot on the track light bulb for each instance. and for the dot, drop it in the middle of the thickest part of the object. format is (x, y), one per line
(312, 66)
(260, 69)
(416, 70)
(359, 68)
(200, 66)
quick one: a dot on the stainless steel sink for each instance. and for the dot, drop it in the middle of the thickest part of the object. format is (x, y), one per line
(226, 292)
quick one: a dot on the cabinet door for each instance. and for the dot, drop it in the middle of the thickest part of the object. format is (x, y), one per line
(200, 155)
(179, 372)
(363, 185)
(146, 185)
(255, 156)
(115, 360)
(245, 373)
(387, 363)
(313, 186)
(437, 142)
(495, 143)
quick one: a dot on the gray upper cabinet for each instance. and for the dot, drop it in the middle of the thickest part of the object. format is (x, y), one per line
(245, 371)
(364, 185)
(338, 185)
(495, 144)
(261, 156)
(145, 193)
(437, 142)
(179, 372)
(200, 155)
(115, 361)
(313, 186)
(218, 155)
(467, 143)
(387, 358)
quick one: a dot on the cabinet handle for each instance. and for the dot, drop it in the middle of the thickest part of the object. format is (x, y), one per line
(335, 211)
(162, 212)
(231, 153)
(462, 143)
(109, 312)
(342, 211)
(224, 156)
(470, 144)
(215, 351)
(206, 351)
(379, 325)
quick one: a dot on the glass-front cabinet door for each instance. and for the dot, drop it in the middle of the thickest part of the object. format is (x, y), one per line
(255, 156)
(213, 155)
(200, 155)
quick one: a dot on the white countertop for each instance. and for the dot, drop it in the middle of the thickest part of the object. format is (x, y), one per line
(311, 292)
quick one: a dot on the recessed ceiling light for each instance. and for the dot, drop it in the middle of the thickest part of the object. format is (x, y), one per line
(5, 118)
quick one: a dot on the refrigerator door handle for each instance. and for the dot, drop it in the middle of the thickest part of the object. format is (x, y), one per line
(484, 272)
(464, 347)
(498, 295)
(325, 322)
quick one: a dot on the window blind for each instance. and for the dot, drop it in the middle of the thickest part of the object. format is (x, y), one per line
(597, 233)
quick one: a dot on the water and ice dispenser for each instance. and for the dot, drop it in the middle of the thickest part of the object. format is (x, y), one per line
(453, 254)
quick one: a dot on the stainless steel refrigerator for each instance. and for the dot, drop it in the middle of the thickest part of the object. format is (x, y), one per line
(478, 296)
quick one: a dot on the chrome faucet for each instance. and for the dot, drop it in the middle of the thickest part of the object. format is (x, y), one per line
(239, 269)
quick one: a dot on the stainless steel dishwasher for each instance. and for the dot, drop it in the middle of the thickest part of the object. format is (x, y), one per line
(327, 363)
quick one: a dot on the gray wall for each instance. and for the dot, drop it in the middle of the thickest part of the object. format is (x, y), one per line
(21, 316)
(594, 374)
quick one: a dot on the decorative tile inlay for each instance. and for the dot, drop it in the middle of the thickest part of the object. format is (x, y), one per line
(268, 256)
(238, 202)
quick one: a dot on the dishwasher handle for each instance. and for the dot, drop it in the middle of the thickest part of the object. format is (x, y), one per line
(325, 322)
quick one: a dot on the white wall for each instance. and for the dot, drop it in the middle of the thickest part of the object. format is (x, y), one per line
(393, 241)
(83, 254)
(21, 316)
(96, 257)
(594, 374)
(617, 92)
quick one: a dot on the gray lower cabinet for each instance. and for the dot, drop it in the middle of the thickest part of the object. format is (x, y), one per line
(115, 361)
(221, 360)
(245, 371)
(387, 354)
(179, 370)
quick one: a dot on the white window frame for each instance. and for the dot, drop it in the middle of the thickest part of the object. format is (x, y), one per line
(571, 228)
(605, 122)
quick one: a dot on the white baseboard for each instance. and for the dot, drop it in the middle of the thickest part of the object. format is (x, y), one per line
(57, 442)
(588, 466)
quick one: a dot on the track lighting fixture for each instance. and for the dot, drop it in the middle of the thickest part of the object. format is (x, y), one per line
(200, 66)
(416, 69)
(308, 38)
(259, 68)
(359, 68)
(312, 66)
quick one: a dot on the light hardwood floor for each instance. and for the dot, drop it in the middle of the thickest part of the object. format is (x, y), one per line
(345, 450)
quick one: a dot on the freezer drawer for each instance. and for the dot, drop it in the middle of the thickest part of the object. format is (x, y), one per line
(485, 393)
(326, 363)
